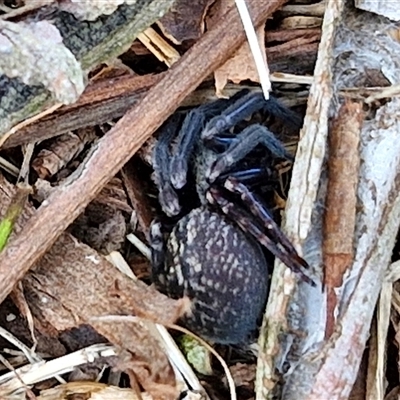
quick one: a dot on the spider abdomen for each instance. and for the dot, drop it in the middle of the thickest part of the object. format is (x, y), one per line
(222, 270)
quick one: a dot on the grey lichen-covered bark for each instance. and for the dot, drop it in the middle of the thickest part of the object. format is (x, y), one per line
(92, 42)
(389, 9)
(364, 54)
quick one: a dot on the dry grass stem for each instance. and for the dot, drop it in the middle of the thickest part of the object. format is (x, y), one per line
(41, 371)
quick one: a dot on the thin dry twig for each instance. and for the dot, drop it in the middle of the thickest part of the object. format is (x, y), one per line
(102, 101)
(28, 122)
(41, 371)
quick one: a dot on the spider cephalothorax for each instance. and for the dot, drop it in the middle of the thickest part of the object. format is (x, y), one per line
(213, 254)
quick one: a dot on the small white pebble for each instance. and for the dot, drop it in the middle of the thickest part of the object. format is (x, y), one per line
(10, 317)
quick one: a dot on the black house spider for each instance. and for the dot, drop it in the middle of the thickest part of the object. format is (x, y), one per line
(213, 254)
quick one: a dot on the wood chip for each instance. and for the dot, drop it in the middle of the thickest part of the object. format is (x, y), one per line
(185, 21)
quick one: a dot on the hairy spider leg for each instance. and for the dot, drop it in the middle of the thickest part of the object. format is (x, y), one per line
(167, 196)
(243, 108)
(189, 135)
(246, 141)
(273, 229)
(248, 223)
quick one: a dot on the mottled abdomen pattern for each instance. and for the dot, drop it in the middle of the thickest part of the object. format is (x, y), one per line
(222, 270)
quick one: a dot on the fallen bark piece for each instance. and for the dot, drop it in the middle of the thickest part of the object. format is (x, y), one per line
(61, 151)
(388, 9)
(328, 370)
(91, 42)
(276, 337)
(34, 54)
(73, 285)
(92, 9)
(137, 196)
(376, 233)
(341, 201)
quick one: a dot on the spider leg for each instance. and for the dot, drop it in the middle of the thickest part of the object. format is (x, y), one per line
(188, 136)
(156, 241)
(277, 243)
(171, 169)
(167, 196)
(246, 141)
(243, 108)
(247, 175)
(257, 209)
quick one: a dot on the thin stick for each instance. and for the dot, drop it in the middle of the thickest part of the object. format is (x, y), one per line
(255, 48)
(29, 121)
(122, 142)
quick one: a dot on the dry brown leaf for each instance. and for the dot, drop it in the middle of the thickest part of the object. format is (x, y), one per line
(91, 9)
(240, 66)
(34, 53)
(185, 21)
(244, 375)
